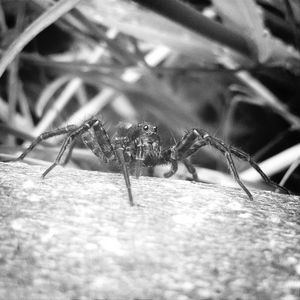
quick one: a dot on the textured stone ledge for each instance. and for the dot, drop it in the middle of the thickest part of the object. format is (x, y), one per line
(74, 236)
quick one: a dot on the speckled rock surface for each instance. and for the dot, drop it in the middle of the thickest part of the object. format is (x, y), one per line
(74, 236)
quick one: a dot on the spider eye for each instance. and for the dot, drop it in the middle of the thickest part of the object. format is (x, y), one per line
(154, 128)
(146, 127)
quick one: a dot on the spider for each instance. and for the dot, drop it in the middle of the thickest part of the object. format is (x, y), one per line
(139, 145)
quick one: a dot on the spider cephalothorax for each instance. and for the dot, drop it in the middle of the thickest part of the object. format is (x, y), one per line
(139, 145)
(141, 142)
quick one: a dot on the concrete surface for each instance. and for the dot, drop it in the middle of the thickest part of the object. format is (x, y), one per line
(74, 236)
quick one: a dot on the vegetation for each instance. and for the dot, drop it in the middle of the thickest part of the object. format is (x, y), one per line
(230, 67)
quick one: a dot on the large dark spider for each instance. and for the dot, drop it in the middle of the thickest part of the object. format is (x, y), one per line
(139, 146)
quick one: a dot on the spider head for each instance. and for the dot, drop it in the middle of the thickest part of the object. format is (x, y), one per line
(147, 142)
(147, 129)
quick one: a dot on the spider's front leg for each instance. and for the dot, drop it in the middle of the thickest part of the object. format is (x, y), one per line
(99, 142)
(120, 156)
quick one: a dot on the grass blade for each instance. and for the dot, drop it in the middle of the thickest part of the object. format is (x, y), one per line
(42, 22)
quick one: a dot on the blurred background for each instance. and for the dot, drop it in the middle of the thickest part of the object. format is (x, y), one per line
(229, 67)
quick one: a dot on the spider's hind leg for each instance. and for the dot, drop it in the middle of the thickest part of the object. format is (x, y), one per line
(246, 157)
(235, 174)
(205, 139)
(45, 136)
(191, 169)
(69, 154)
(173, 170)
(68, 142)
(188, 144)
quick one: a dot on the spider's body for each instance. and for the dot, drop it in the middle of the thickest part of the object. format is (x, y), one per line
(141, 143)
(139, 146)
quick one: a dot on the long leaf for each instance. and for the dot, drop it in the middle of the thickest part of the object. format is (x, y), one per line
(48, 92)
(247, 18)
(42, 22)
(157, 29)
(244, 17)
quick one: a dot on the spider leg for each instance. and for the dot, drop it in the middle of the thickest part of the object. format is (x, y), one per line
(69, 154)
(63, 148)
(233, 170)
(67, 142)
(120, 156)
(246, 157)
(99, 142)
(139, 158)
(173, 170)
(138, 168)
(192, 141)
(45, 136)
(226, 151)
(189, 144)
(191, 169)
(90, 141)
(103, 140)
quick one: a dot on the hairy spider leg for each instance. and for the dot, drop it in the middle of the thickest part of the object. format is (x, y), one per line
(226, 150)
(139, 158)
(138, 168)
(191, 169)
(69, 154)
(111, 152)
(90, 141)
(103, 140)
(173, 170)
(194, 139)
(97, 140)
(181, 151)
(203, 138)
(246, 157)
(233, 170)
(120, 156)
(45, 136)
(101, 145)
(67, 142)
